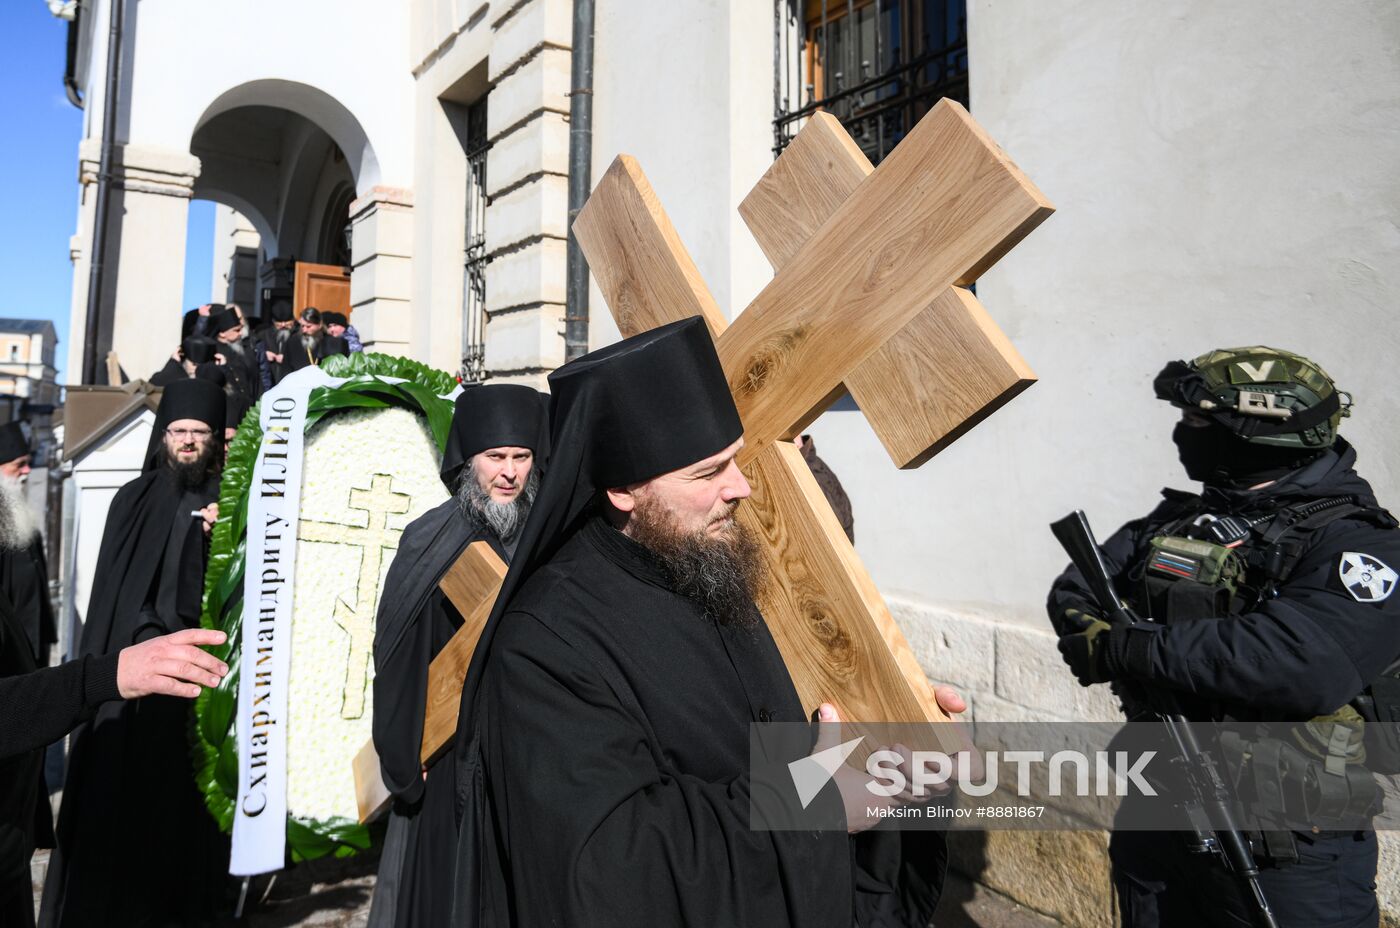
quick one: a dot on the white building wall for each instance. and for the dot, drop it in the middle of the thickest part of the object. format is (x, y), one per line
(1224, 175)
(687, 89)
(341, 63)
(235, 265)
(355, 51)
(1211, 190)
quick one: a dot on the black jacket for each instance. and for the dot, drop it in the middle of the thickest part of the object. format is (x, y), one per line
(1306, 652)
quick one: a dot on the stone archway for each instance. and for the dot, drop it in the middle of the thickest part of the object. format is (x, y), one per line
(315, 106)
(300, 166)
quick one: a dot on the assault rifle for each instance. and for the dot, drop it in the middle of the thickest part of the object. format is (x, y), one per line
(1212, 824)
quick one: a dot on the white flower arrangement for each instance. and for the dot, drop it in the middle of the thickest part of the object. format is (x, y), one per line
(388, 456)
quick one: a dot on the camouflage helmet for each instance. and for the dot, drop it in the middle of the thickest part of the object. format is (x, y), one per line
(1266, 396)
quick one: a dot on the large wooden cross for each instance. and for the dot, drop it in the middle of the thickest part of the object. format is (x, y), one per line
(471, 584)
(866, 298)
(865, 295)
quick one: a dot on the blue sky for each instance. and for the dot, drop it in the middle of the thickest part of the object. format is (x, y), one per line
(39, 160)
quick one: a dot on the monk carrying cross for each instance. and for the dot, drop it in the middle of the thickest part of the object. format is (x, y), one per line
(603, 740)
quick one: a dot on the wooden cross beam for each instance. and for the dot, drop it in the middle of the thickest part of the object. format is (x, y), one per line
(943, 207)
(946, 369)
(471, 586)
(872, 305)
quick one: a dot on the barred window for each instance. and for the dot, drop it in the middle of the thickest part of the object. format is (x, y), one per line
(474, 258)
(876, 65)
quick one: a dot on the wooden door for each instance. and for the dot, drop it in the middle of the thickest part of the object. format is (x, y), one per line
(324, 286)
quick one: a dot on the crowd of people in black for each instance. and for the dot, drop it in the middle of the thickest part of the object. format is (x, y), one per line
(246, 356)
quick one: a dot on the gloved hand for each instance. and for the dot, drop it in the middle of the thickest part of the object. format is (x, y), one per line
(1078, 620)
(1085, 650)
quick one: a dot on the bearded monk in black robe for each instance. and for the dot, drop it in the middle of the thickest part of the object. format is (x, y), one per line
(604, 739)
(492, 465)
(26, 632)
(312, 346)
(136, 845)
(24, 572)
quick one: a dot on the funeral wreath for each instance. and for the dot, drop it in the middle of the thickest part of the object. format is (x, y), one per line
(374, 381)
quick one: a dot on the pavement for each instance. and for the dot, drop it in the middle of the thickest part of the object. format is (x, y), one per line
(336, 894)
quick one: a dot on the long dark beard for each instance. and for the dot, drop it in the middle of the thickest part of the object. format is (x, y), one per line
(507, 520)
(722, 575)
(194, 474)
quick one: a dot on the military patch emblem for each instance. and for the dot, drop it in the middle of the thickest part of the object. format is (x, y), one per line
(1366, 578)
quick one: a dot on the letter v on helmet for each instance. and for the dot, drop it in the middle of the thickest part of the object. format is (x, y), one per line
(1257, 374)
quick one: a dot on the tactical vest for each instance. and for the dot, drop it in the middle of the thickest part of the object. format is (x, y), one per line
(1201, 568)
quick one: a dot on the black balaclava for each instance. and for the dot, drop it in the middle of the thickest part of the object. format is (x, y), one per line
(1215, 456)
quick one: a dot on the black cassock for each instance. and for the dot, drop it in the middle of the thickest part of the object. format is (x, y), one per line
(26, 631)
(613, 725)
(274, 340)
(24, 810)
(241, 368)
(415, 622)
(24, 578)
(136, 844)
(295, 354)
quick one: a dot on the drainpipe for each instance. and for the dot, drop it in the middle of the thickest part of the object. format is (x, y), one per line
(580, 178)
(104, 175)
(70, 62)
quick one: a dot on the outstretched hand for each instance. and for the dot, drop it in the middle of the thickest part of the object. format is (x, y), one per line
(171, 665)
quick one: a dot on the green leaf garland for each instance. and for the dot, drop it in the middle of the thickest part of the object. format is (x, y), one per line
(215, 746)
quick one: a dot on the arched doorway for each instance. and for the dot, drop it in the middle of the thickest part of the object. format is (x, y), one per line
(295, 161)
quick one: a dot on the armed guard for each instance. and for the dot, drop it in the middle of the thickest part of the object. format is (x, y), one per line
(1270, 598)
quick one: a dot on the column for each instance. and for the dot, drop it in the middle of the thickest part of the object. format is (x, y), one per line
(381, 278)
(527, 176)
(144, 274)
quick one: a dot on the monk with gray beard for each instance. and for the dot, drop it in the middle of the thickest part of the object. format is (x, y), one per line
(26, 632)
(240, 362)
(313, 346)
(24, 576)
(492, 465)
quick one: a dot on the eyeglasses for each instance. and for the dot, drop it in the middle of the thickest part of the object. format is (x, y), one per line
(187, 434)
